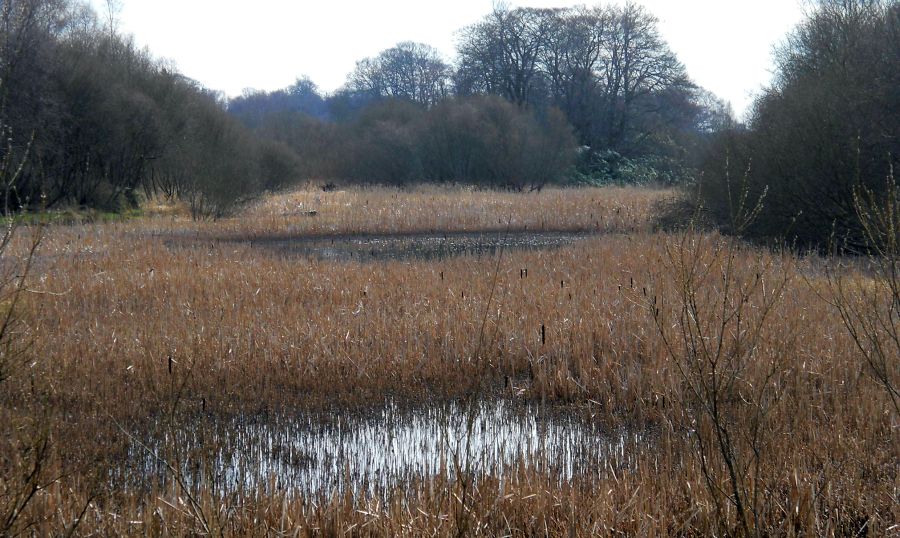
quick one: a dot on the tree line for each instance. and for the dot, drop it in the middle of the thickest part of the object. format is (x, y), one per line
(585, 94)
(534, 96)
(822, 141)
(97, 122)
(822, 134)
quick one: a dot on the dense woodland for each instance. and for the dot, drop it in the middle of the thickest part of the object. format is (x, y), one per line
(96, 122)
(534, 96)
(825, 133)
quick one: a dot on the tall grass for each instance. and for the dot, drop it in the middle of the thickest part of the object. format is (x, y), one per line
(431, 209)
(260, 332)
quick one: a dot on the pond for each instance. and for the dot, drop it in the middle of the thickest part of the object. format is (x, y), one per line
(314, 455)
(419, 246)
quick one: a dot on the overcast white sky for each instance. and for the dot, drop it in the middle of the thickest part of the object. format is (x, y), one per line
(231, 45)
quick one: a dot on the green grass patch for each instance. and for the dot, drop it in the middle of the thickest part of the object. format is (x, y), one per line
(71, 216)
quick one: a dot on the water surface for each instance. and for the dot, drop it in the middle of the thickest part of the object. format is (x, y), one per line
(417, 246)
(315, 455)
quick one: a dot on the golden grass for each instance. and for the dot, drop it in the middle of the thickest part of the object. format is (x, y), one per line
(436, 209)
(250, 330)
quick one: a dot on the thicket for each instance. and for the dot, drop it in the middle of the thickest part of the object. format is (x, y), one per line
(102, 122)
(482, 140)
(827, 127)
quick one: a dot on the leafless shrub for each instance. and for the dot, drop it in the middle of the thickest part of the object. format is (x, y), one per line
(25, 444)
(869, 300)
(712, 301)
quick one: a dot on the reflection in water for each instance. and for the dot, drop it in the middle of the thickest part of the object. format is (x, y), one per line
(314, 456)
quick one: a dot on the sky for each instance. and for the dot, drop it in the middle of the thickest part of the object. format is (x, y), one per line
(229, 45)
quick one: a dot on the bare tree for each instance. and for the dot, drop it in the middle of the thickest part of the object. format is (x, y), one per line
(606, 68)
(638, 64)
(490, 141)
(502, 54)
(572, 60)
(412, 71)
(113, 12)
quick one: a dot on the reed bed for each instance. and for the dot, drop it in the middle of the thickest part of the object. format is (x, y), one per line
(381, 210)
(129, 333)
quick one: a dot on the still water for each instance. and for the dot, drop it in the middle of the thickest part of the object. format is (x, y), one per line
(315, 455)
(365, 247)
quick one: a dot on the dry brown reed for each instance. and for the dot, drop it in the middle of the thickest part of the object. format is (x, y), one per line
(130, 325)
(427, 209)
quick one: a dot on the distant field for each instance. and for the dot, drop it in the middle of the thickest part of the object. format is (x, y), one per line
(163, 348)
